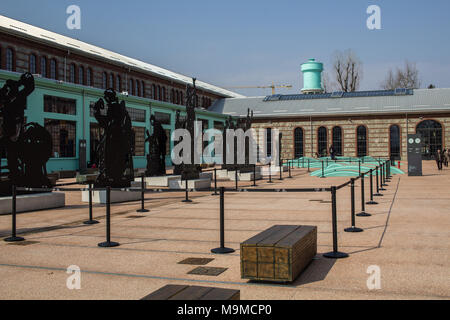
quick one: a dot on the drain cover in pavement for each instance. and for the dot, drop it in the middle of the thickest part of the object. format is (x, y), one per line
(23, 243)
(196, 261)
(208, 271)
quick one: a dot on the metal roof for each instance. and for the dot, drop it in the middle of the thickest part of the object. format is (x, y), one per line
(25, 30)
(421, 100)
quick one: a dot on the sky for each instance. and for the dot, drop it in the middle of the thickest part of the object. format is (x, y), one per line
(256, 43)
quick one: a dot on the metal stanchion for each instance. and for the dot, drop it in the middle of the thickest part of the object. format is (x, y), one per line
(371, 202)
(290, 174)
(353, 228)
(254, 175)
(281, 169)
(187, 192)
(236, 179)
(309, 170)
(382, 178)
(323, 170)
(378, 194)
(335, 254)
(222, 249)
(90, 221)
(363, 212)
(270, 173)
(359, 167)
(215, 183)
(14, 237)
(108, 243)
(142, 209)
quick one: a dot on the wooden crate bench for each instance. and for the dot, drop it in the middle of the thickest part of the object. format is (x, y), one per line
(181, 292)
(279, 253)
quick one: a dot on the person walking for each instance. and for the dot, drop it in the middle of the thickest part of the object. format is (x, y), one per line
(446, 157)
(439, 159)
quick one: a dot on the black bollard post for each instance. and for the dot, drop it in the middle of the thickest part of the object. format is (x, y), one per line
(215, 183)
(359, 167)
(353, 228)
(270, 173)
(281, 169)
(142, 209)
(108, 243)
(371, 202)
(290, 174)
(14, 237)
(335, 254)
(254, 175)
(323, 176)
(382, 180)
(378, 194)
(186, 200)
(309, 170)
(388, 171)
(363, 212)
(90, 221)
(236, 179)
(222, 249)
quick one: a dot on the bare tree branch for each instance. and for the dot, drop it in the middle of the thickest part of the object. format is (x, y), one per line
(408, 78)
(347, 70)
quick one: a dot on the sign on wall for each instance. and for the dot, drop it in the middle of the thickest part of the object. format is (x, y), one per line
(415, 145)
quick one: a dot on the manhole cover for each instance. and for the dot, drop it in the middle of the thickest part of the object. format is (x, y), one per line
(208, 271)
(196, 261)
(23, 243)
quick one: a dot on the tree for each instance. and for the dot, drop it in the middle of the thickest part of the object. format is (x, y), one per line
(327, 85)
(347, 69)
(408, 78)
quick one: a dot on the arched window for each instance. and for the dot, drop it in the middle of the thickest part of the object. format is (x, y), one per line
(32, 66)
(163, 93)
(322, 141)
(181, 98)
(138, 89)
(53, 69)
(143, 88)
(172, 96)
(130, 87)
(81, 75)
(72, 73)
(431, 132)
(10, 59)
(361, 141)
(118, 83)
(337, 141)
(154, 93)
(89, 77)
(111, 81)
(269, 142)
(158, 94)
(394, 142)
(44, 67)
(177, 97)
(298, 143)
(104, 80)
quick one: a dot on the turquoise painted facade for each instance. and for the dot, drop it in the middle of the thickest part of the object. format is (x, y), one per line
(84, 96)
(312, 75)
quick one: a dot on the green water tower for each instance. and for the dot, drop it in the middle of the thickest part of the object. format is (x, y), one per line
(312, 77)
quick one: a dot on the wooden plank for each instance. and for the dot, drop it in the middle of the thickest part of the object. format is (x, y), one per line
(191, 293)
(222, 294)
(165, 293)
(295, 236)
(261, 236)
(277, 236)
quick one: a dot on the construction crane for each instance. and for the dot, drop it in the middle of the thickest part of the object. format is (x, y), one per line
(273, 87)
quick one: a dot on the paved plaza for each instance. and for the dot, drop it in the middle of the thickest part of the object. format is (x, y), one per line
(407, 236)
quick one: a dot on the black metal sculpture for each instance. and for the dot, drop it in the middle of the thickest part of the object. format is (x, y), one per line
(188, 171)
(245, 124)
(114, 152)
(28, 146)
(156, 159)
